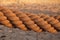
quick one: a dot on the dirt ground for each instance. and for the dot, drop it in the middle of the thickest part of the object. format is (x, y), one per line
(17, 34)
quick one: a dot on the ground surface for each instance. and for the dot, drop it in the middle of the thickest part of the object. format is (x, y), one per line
(17, 34)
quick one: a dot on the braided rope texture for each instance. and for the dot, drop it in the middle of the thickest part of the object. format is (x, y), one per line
(29, 21)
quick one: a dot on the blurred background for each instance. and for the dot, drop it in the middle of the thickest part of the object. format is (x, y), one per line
(36, 6)
(6, 2)
(39, 5)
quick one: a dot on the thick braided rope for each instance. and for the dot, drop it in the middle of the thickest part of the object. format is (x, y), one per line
(14, 19)
(57, 17)
(43, 24)
(33, 21)
(51, 20)
(4, 21)
(27, 21)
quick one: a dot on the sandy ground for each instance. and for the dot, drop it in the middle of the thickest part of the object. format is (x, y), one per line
(17, 34)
